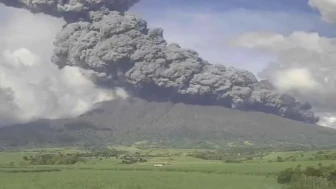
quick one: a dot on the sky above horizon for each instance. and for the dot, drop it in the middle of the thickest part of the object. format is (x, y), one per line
(291, 43)
(207, 26)
(288, 42)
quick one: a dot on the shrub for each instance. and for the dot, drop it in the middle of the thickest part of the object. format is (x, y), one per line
(131, 160)
(250, 158)
(233, 161)
(313, 172)
(320, 177)
(287, 176)
(53, 159)
(332, 176)
(306, 182)
(279, 159)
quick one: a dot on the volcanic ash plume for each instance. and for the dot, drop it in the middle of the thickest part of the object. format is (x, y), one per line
(70, 10)
(122, 48)
(123, 52)
(305, 67)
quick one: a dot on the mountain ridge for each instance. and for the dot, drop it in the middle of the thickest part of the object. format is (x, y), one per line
(167, 124)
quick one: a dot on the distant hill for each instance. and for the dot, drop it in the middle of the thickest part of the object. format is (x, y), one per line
(138, 122)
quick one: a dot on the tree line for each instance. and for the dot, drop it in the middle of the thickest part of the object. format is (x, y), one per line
(320, 177)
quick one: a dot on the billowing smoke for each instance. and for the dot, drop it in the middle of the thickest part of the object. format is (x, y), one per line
(123, 52)
(70, 10)
(122, 47)
(32, 87)
(305, 65)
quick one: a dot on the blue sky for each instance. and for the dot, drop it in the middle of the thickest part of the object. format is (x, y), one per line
(206, 26)
(277, 5)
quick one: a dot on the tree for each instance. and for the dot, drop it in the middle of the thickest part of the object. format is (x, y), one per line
(286, 176)
(313, 172)
(279, 159)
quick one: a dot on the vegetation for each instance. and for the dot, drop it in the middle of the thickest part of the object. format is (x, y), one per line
(102, 179)
(227, 156)
(103, 153)
(70, 159)
(311, 183)
(53, 159)
(249, 154)
(321, 177)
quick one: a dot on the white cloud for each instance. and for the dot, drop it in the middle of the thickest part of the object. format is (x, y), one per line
(32, 87)
(327, 120)
(304, 57)
(300, 62)
(294, 78)
(327, 9)
(305, 66)
(209, 32)
(308, 55)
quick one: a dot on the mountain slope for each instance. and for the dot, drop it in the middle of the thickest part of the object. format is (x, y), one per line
(167, 124)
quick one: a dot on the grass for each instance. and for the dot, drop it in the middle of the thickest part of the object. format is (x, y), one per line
(262, 169)
(298, 155)
(98, 179)
(182, 172)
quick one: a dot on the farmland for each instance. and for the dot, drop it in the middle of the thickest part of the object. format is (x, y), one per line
(180, 170)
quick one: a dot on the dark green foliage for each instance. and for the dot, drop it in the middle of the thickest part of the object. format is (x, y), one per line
(313, 172)
(29, 170)
(53, 159)
(99, 153)
(249, 158)
(320, 177)
(324, 156)
(133, 158)
(279, 159)
(208, 155)
(233, 161)
(288, 175)
(285, 176)
(234, 155)
(332, 176)
(124, 156)
(305, 182)
(104, 153)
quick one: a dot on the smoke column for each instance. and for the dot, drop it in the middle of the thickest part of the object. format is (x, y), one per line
(305, 66)
(118, 50)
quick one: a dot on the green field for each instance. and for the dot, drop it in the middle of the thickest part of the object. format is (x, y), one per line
(102, 179)
(179, 171)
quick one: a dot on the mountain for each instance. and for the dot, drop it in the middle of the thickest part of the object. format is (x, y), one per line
(116, 49)
(178, 98)
(153, 123)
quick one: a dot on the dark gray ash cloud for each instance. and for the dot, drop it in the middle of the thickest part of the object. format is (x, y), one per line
(126, 53)
(70, 10)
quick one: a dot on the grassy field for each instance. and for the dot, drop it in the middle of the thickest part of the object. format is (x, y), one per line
(102, 179)
(179, 172)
